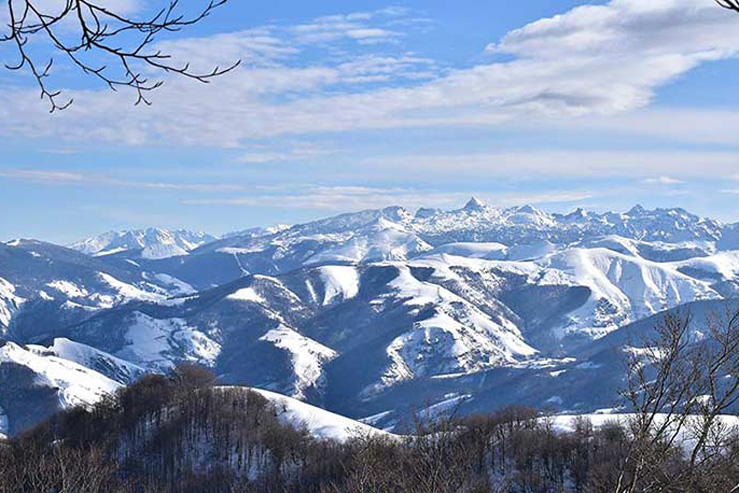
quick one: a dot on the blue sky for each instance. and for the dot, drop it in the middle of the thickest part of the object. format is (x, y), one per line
(341, 106)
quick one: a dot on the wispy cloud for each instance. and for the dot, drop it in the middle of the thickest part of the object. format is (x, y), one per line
(296, 153)
(363, 27)
(662, 180)
(299, 196)
(65, 178)
(345, 198)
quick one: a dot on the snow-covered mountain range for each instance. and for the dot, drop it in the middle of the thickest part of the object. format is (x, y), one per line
(370, 314)
(151, 243)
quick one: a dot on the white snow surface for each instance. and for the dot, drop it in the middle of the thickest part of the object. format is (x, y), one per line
(124, 291)
(456, 337)
(723, 265)
(383, 240)
(318, 422)
(686, 437)
(177, 287)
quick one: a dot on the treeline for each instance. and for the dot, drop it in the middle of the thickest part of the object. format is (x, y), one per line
(180, 433)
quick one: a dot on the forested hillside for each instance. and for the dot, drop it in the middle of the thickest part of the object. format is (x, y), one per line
(181, 432)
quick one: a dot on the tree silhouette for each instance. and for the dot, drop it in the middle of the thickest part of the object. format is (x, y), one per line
(110, 45)
(729, 4)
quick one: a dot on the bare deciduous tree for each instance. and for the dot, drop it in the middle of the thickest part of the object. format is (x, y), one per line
(681, 382)
(114, 47)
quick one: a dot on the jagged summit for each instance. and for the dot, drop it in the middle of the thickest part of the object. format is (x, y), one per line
(474, 204)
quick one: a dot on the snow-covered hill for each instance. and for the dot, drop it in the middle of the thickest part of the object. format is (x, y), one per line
(151, 243)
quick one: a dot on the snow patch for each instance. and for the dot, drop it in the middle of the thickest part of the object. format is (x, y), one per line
(340, 282)
(247, 294)
(157, 344)
(68, 288)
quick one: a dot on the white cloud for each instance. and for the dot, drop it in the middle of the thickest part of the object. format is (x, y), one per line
(592, 60)
(681, 125)
(662, 180)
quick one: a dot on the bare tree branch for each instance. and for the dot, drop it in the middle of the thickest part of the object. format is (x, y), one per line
(125, 41)
(729, 4)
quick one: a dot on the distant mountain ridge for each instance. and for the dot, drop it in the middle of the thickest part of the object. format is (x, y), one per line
(150, 243)
(395, 233)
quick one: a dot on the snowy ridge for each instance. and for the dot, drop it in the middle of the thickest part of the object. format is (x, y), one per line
(476, 230)
(114, 368)
(74, 384)
(318, 422)
(686, 437)
(452, 337)
(517, 225)
(624, 288)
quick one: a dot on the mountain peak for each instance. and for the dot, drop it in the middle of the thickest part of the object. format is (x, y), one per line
(474, 204)
(637, 210)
